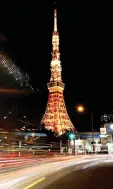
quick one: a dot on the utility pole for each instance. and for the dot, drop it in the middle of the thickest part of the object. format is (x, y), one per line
(68, 146)
(60, 146)
(74, 147)
(92, 130)
(81, 108)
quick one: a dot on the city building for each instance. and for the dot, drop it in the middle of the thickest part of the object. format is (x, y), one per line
(107, 130)
(106, 118)
(12, 79)
(14, 82)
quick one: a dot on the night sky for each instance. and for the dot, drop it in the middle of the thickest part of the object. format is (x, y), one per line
(86, 54)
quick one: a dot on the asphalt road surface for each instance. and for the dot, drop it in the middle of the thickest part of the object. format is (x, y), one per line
(92, 176)
(76, 173)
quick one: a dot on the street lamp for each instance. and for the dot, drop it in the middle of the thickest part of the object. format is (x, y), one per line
(111, 126)
(81, 108)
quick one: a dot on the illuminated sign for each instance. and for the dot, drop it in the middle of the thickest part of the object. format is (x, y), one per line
(103, 131)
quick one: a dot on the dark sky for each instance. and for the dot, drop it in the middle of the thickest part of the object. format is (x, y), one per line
(85, 46)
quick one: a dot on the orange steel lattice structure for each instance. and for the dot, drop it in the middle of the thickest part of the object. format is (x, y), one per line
(56, 117)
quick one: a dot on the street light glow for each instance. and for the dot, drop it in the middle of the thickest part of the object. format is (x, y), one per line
(111, 126)
(80, 108)
(33, 134)
(71, 136)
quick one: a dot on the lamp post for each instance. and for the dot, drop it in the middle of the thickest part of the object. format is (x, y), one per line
(60, 146)
(81, 109)
(92, 130)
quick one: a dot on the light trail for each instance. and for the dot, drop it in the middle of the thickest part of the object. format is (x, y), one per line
(11, 183)
(37, 171)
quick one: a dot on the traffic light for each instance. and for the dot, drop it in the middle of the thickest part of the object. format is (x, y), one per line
(71, 136)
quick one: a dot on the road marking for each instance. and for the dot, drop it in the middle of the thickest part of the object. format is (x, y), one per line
(34, 183)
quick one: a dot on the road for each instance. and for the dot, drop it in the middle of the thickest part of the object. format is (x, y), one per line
(98, 175)
(77, 172)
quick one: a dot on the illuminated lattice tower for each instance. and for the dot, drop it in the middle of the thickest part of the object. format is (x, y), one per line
(56, 117)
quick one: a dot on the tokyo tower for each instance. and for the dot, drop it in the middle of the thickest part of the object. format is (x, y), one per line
(56, 117)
